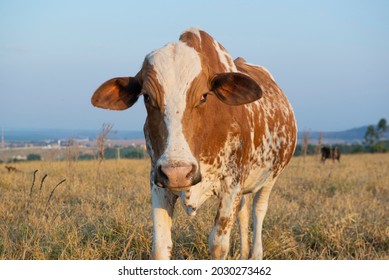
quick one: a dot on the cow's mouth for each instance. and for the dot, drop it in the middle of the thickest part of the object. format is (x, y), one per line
(178, 189)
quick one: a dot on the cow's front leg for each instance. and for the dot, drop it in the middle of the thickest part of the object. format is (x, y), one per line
(243, 221)
(163, 206)
(219, 239)
(260, 204)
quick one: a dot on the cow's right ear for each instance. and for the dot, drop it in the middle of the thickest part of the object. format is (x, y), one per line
(117, 93)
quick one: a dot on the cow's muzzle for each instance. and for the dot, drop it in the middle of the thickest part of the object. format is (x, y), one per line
(177, 175)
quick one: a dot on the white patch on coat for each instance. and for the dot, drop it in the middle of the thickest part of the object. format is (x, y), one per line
(193, 198)
(225, 58)
(176, 66)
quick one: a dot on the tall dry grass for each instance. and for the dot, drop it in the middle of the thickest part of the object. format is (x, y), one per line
(316, 211)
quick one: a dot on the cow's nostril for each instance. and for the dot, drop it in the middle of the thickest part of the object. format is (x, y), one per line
(161, 173)
(192, 172)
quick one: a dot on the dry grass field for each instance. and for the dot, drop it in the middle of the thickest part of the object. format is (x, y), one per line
(316, 211)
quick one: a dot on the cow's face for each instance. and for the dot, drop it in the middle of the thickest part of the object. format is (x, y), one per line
(175, 82)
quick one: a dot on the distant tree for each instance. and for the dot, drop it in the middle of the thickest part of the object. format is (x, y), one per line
(382, 127)
(128, 152)
(33, 157)
(134, 153)
(371, 135)
(102, 138)
(86, 157)
(374, 136)
(110, 153)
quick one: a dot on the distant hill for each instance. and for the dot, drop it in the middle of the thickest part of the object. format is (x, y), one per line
(354, 135)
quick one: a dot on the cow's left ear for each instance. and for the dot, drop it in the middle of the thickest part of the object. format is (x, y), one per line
(235, 88)
(117, 93)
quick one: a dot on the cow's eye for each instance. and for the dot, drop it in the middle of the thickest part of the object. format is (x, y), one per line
(203, 98)
(146, 98)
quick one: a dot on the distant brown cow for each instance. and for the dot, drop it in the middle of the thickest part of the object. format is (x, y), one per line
(12, 169)
(330, 153)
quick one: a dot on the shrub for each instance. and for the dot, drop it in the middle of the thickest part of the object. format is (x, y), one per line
(33, 157)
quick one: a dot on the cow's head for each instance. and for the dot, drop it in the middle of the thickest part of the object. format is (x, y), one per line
(184, 84)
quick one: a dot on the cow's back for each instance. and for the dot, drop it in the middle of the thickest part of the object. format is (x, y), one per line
(272, 130)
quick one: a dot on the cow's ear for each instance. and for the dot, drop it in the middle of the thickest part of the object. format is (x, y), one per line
(235, 88)
(117, 93)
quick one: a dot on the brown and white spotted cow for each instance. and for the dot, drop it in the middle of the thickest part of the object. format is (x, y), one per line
(214, 127)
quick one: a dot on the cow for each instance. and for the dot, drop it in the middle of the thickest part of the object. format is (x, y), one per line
(330, 153)
(215, 127)
(11, 169)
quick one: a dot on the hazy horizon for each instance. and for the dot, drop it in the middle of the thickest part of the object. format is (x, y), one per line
(331, 58)
(141, 130)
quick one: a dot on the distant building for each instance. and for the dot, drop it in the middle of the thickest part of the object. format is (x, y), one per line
(19, 158)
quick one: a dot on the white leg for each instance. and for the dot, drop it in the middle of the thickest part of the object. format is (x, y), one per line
(163, 206)
(243, 221)
(219, 239)
(259, 211)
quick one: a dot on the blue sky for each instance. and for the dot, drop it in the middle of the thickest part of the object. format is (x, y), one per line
(331, 58)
